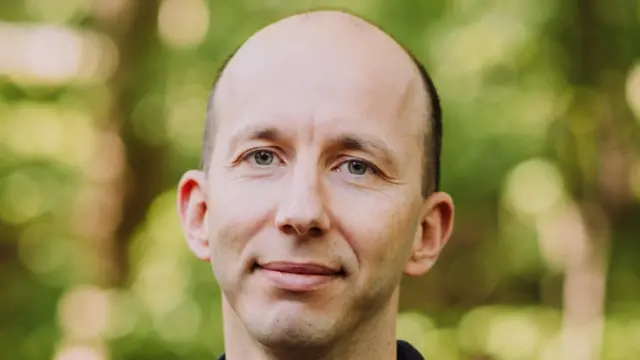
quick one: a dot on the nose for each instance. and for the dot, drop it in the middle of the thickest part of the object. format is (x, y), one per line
(302, 211)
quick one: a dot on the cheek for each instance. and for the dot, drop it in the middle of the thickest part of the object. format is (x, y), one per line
(379, 228)
(236, 213)
(242, 201)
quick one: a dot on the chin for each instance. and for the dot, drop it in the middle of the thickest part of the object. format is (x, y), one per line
(288, 328)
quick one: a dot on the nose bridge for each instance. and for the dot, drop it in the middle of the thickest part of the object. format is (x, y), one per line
(303, 204)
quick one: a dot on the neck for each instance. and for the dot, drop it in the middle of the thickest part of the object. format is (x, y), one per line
(374, 337)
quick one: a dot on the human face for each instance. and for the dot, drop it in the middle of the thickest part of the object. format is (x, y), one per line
(318, 175)
(313, 195)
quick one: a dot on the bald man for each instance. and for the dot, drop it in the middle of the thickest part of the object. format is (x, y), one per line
(318, 190)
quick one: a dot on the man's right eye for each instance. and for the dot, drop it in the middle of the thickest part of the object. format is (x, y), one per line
(261, 157)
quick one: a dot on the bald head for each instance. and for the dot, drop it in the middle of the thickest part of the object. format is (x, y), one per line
(331, 54)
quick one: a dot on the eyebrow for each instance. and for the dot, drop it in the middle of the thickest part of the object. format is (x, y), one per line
(253, 133)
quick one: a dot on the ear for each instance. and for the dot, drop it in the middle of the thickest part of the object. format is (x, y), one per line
(192, 208)
(436, 226)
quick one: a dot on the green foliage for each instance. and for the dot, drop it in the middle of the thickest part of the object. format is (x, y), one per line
(98, 121)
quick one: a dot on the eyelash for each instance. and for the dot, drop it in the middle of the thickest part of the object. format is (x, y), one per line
(370, 167)
(248, 155)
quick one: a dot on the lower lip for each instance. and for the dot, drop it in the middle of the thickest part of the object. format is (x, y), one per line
(296, 282)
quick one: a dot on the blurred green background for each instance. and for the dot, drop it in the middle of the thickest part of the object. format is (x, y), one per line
(101, 110)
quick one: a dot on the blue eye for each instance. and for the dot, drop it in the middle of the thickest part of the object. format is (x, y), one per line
(356, 167)
(263, 157)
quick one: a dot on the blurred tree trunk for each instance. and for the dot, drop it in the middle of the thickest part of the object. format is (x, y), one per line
(132, 28)
(595, 150)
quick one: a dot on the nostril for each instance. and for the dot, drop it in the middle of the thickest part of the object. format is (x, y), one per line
(312, 232)
(289, 229)
(315, 232)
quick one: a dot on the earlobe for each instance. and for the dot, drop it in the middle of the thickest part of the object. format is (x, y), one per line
(192, 209)
(431, 236)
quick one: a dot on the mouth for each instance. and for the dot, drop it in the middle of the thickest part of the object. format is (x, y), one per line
(298, 277)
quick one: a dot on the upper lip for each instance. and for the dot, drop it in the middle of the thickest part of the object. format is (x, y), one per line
(303, 268)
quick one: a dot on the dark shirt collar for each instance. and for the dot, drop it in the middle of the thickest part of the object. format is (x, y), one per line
(405, 352)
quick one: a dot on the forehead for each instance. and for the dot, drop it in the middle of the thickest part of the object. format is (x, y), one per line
(326, 76)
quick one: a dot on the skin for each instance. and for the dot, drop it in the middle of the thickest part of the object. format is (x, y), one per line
(296, 90)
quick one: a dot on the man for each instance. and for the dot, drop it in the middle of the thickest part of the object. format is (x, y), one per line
(318, 190)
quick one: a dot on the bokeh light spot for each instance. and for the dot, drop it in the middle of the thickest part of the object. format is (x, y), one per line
(633, 90)
(160, 285)
(33, 130)
(83, 312)
(124, 314)
(513, 336)
(49, 54)
(183, 23)
(413, 327)
(562, 236)
(80, 352)
(53, 54)
(533, 187)
(40, 250)
(20, 198)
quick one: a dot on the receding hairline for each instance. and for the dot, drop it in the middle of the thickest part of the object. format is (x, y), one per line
(432, 129)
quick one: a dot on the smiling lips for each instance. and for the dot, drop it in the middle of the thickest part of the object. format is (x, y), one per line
(298, 277)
